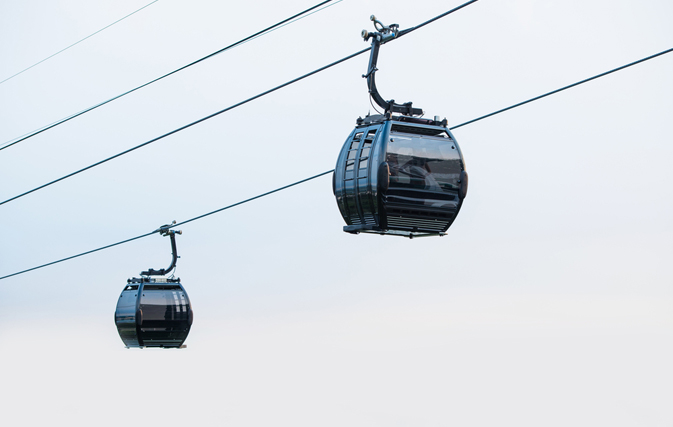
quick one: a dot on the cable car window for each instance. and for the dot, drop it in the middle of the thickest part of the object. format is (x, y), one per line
(370, 138)
(365, 152)
(349, 165)
(363, 164)
(157, 298)
(351, 154)
(356, 141)
(427, 163)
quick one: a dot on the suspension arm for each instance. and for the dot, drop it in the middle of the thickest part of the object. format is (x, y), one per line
(378, 38)
(166, 231)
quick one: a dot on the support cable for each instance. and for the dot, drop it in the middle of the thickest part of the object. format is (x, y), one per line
(265, 31)
(203, 119)
(77, 42)
(564, 88)
(429, 21)
(172, 226)
(330, 171)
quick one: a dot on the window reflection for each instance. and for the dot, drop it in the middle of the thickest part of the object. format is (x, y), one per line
(431, 164)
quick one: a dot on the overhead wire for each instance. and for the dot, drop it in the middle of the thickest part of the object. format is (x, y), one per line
(210, 116)
(663, 52)
(217, 113)
(77, 42)
(431, 20)
(314, 72)
(330, 171)
(172, 226)
(274, 27)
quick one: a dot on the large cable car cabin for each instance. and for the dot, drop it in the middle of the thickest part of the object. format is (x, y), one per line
(398, 174)
(154, 310)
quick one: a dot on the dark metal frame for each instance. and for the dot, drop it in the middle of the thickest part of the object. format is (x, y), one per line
(129, 319)
(383, 35)
(166, 231)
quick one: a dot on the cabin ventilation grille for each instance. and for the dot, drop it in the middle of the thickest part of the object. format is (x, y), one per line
(397, 222)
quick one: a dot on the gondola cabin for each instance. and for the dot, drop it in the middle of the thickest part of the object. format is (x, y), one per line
(153, 312)
(400, 175)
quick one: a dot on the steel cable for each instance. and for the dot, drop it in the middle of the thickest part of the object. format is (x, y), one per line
(185, 126)
(265, 31)
(77, 42)
(663, 52)
(172, 226)
(330, 171)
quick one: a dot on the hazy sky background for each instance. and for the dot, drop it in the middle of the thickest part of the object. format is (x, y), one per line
(549, 302)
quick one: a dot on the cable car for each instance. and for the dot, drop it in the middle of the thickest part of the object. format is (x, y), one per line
(154, 310)
(398, 174)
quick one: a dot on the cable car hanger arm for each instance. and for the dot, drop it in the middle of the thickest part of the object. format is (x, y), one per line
(165, 230)
(382, 35)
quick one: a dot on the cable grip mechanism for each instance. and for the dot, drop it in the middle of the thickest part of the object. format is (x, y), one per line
(165, 230)
(384, 32)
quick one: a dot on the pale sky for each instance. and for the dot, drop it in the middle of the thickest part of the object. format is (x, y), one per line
(549, 302)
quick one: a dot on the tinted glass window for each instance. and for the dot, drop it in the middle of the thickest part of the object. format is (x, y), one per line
(163, 305)
(428, 163)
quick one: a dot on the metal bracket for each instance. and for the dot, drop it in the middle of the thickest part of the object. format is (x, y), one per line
(384, 34)
(165, 230)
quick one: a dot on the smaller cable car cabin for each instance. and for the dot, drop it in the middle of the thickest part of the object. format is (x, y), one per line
(154, 310)
(400, 175)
